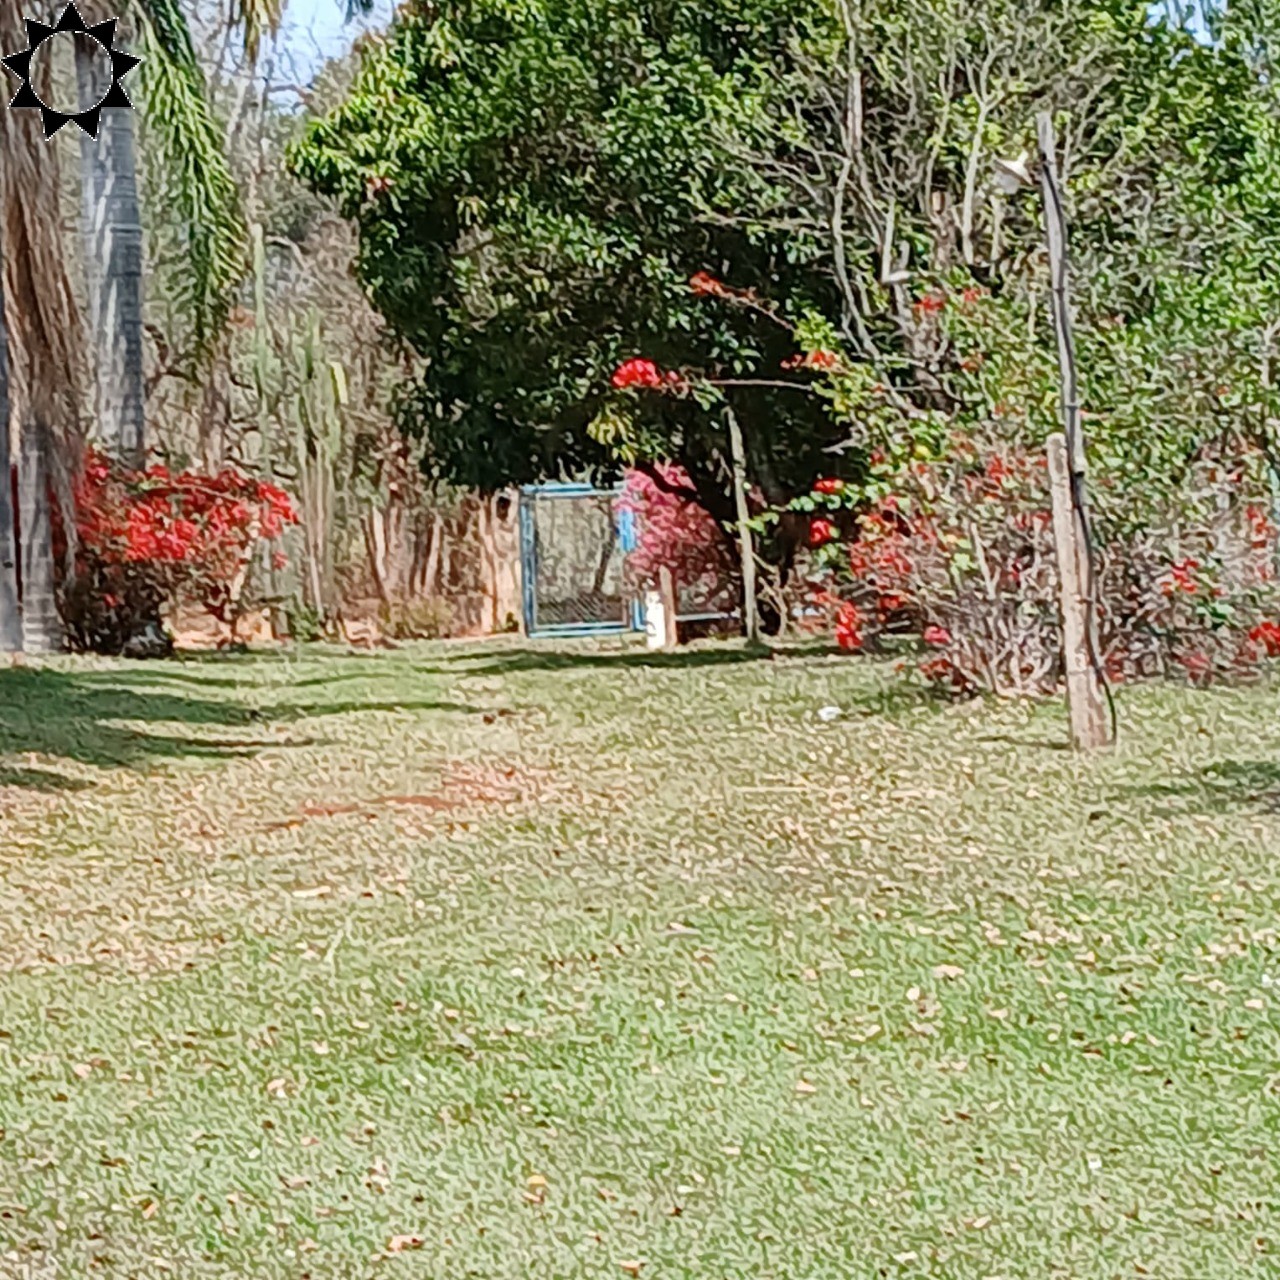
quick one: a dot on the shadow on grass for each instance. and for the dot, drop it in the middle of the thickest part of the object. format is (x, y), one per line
(45, 780)
(1036, 744)
(78, 715)
(1221, 787)
(511, 661)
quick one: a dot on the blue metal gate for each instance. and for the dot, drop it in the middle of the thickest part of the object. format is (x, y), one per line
(574, 541)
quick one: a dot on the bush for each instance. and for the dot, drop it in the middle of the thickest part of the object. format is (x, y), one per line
(428, 619)
(675, 531)
(305, 623)
(960, 552)
(147, 540)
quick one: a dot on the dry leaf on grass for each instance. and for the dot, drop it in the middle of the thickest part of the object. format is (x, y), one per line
(402, 1244)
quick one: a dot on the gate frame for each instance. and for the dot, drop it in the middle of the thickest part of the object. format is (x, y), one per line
(624, 523)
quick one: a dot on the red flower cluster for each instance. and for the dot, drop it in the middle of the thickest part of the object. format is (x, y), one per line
(821, 361)
(1266, 636)
(821, 531)
(938, 636)
(828, 485)
(188, 532)
(849, 623)
(676, 532)
(1262, 531)
(705, 285)
(1180, 579)
(930, 304)
(639, 372)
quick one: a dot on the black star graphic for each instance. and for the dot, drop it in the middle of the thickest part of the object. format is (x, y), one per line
(70, 22)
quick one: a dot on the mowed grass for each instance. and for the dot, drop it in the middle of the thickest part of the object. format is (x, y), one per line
(508, 962)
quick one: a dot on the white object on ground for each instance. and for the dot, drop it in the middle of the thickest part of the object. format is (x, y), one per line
(827, 714)
(655, 620)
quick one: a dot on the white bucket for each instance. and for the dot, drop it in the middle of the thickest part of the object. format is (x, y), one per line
(655, 620)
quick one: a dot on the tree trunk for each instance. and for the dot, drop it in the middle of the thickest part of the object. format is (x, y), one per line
(111, 229)
(10, 613)
(41, 625)
(375, 541)
(431, 573)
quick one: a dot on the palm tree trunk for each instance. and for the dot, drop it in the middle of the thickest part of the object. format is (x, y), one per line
(10, 613)
(45, 361)
(41, 626)
(111, 230)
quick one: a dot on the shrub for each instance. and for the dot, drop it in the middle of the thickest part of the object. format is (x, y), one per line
(959, 550)
(675, 531)
(427, 619)
(151, 539)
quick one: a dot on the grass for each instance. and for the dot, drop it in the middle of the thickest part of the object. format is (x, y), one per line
(500, 961)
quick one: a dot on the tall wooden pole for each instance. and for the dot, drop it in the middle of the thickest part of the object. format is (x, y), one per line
(750, 615)
(1085, 697)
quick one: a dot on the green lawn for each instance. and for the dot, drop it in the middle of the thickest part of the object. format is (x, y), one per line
(507, 962)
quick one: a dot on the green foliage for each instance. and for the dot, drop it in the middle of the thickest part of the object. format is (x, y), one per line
(527, 183)
(202, 231)
(535, 186)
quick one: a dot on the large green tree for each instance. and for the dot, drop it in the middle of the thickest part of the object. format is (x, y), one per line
(534, 186)
(528, 182)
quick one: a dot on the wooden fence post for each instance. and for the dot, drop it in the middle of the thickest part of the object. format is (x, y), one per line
(1085, 705)
(670, 606)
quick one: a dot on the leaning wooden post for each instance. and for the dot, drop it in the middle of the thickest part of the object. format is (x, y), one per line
(670, 605)
(749, 613)
(1085, 705)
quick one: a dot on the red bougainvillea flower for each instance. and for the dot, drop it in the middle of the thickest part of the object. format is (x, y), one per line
(970, 296)
(938, 636)
(1196, 664)
(849, 627)
(930, 304)
(676, 533)
(639, 372)
(820, 361)
(940, 670)
(821, 531)
(1266, 635)
(185, 533)
(1179, 578)
(828, 484)
(705, 285)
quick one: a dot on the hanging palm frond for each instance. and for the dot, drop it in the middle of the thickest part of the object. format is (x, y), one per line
(254, 17)
(189, 161)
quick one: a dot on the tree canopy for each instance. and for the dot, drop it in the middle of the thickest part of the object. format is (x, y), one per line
(535, 185)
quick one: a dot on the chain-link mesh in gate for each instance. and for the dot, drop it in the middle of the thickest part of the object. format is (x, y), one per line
(574, 560)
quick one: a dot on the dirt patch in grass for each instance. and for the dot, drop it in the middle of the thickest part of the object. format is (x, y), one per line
(465, 786)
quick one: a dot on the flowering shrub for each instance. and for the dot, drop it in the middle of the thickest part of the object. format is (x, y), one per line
(676, 532)
(962, 555)
(154, 538)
